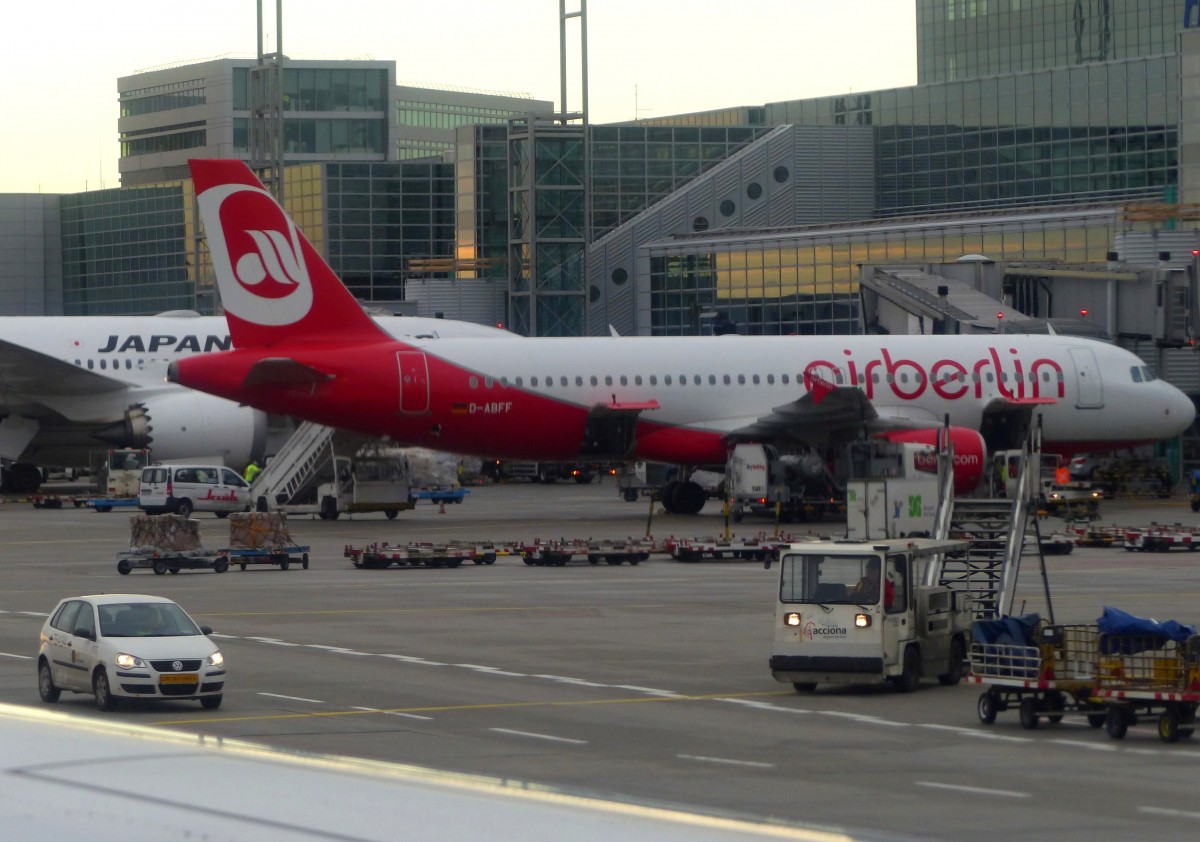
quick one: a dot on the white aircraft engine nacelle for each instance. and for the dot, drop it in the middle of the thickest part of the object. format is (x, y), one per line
(193, 425)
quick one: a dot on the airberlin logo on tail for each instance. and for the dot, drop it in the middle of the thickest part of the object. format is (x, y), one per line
(257, 255)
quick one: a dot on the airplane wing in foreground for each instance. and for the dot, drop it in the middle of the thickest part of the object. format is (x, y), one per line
(25, 372)
(831, 416)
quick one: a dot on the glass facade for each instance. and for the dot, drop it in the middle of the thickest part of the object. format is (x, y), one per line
(966, 39)
(341, 95)
(1095, 133)
(125, 251)
(807, 283)
(380, 216)
(163, 98)
(635, 166)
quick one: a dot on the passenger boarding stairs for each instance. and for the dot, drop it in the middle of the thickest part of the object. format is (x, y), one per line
(1001, 532)
(305, 460)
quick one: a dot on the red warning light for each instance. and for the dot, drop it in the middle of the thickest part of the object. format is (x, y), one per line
(1000, 316)
(1083, 313)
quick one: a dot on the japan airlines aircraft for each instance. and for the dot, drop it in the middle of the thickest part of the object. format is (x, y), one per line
(302, 347)
(74, 386)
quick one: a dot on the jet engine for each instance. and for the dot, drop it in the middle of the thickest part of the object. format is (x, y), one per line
(191, 425)
(970, 453)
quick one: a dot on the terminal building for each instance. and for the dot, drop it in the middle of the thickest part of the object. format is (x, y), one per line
(1051, 146)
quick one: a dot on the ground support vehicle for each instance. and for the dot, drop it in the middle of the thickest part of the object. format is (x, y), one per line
(1161, 539)
(557, 552)
(758, 548)
(166, 561)
(53, 501)
(1071, 501)
(107, 504)
(438, 495)
(1098, 536)
(544, 472)
(1144, 676)
(284, 557)
(450, 554)
(1042, 670)
(856, 612)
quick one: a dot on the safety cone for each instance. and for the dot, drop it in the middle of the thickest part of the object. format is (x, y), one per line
(442, 507)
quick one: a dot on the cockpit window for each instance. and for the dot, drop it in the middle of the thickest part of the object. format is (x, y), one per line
(1136, 371)
(1143, 374)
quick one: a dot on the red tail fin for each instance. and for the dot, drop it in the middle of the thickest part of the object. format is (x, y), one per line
(274, 286)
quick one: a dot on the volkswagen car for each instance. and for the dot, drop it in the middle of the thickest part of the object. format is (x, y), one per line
(128, 646)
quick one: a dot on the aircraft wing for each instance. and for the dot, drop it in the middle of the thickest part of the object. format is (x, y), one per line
(25, 372)
(831, 416)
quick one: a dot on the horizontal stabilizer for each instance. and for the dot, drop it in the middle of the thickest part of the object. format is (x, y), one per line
(283, 371)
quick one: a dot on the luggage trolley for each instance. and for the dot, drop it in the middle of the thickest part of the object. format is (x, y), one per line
(1044, 670)
(1148, 675)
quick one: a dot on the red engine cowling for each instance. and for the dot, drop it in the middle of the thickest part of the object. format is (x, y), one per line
(970, 453)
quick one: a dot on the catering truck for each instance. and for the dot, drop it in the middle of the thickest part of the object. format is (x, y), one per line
(854, 612)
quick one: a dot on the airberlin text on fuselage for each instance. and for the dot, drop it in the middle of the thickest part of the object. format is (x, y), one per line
(162, 342)
(950, 379)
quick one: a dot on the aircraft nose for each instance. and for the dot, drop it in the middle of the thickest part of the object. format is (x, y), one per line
(1180, 412)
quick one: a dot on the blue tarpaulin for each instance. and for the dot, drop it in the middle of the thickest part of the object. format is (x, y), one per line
(1006, 631)
(1137, 633)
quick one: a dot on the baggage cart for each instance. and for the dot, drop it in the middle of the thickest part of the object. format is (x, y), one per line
(171, 562)
(557, 552)
(1045, 671)
(1149, 676)
(380, 556)
(284, 557)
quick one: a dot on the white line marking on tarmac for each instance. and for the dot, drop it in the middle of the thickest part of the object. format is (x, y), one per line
(539, 736)
(1082, 744)
(725, 761)
(1166, 811)
(341, 650)
(649, 691)
(1004, 793)
(975, 732)
(858, 717)
(565, 679)
(413, 659)
(13, 655)
(273, 641)
(490, 670)
(751, 703)
(393, 713)
(292, 698)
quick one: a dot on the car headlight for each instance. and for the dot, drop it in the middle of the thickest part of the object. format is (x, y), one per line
(127, 662)
(791, 618)
(216, 659)
(862, 621)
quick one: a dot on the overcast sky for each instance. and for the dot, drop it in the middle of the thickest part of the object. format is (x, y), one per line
(60, 59)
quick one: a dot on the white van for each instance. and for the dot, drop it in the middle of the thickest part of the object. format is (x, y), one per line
(183, 489)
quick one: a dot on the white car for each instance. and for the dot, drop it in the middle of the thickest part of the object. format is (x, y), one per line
(128, 646)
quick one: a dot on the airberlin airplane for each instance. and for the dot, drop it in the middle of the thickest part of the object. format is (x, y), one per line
(302, 346)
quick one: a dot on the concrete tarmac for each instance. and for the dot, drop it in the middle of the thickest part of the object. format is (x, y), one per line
(647, 683)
